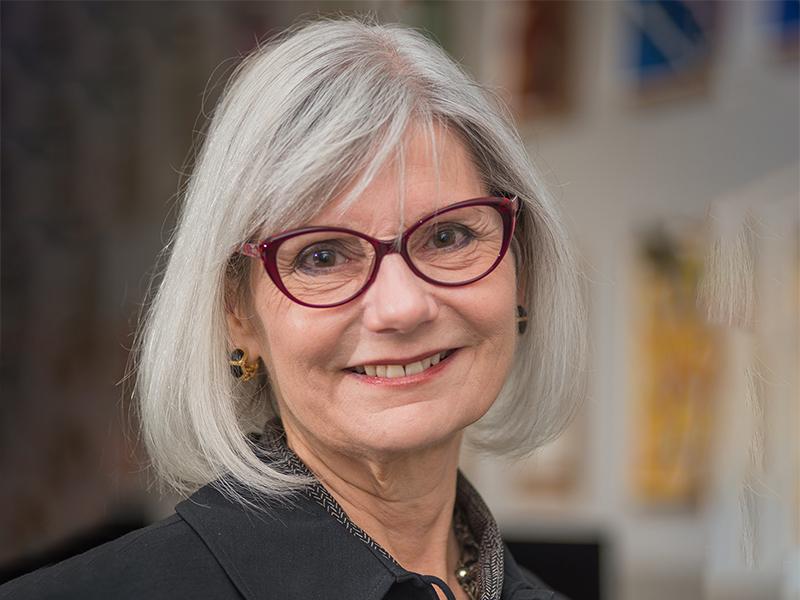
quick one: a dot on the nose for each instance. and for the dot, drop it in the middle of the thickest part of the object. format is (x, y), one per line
(398, 300)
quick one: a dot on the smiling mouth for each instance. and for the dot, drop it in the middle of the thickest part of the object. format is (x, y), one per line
(393, 371)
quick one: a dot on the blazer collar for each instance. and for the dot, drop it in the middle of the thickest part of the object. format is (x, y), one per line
(310, 544)
(294, 550)
(300, 551)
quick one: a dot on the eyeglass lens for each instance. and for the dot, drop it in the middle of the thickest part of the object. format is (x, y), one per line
(325, 267)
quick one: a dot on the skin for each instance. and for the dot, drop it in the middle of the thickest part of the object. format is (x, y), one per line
(389, 453)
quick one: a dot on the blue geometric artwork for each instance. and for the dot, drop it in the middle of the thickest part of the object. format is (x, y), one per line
(670, 39)
(783, 19)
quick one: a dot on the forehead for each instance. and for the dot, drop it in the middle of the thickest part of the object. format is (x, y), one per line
(428, 172)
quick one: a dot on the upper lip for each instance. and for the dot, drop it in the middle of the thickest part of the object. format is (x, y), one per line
(400, 361)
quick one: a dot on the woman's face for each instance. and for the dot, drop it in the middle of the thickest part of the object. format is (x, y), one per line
(310, 353)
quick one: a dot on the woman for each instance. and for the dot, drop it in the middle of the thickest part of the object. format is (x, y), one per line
(367, 263)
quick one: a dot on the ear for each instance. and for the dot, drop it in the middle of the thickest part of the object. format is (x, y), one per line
(522, 283)
(242, 331)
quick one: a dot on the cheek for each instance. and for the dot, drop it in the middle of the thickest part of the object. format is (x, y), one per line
(493, 303)
(281, 348)
(498, 322)
(487, 310)
(299, 345)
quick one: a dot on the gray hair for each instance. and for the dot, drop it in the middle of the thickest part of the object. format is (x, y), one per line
(315, 112)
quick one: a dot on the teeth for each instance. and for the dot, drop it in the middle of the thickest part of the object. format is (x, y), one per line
(394, 371)
(414, 368)
(390, 371)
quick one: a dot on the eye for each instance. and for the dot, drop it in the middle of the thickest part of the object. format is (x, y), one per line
(320, 258)
(450, 236)
(444, 237)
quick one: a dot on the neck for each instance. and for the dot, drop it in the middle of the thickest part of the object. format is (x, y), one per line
(404, 501)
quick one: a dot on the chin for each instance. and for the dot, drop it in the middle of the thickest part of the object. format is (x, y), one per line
(402, 431)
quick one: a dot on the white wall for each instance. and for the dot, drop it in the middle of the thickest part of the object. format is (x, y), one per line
(616, 167)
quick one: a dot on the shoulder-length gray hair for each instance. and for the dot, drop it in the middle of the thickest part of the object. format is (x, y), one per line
(315, 112)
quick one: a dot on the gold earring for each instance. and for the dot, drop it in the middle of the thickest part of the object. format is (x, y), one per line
(522, 319)
(240, 368)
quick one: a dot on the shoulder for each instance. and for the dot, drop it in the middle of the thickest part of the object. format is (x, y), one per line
(521, 582)
(540, 586)
(165, 560)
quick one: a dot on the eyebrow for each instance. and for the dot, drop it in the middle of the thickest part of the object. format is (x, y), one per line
(402, 226)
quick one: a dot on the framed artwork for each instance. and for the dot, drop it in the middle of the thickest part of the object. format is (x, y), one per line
(783, 25)
(675, 367)
(670, 47)
(544, 78)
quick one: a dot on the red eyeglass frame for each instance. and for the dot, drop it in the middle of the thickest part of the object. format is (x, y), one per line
(267, 249)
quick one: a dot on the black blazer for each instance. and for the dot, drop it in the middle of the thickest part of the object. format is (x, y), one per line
(213, 548)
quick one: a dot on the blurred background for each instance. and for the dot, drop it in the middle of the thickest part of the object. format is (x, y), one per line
(669, 132)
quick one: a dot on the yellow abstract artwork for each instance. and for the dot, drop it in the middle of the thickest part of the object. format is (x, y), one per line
(676, 371)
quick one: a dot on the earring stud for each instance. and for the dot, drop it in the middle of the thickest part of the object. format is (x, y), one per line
(522, 319)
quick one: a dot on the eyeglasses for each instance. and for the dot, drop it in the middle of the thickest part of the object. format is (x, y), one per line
(323, 267)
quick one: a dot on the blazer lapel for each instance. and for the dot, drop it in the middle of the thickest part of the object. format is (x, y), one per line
(286, 552)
